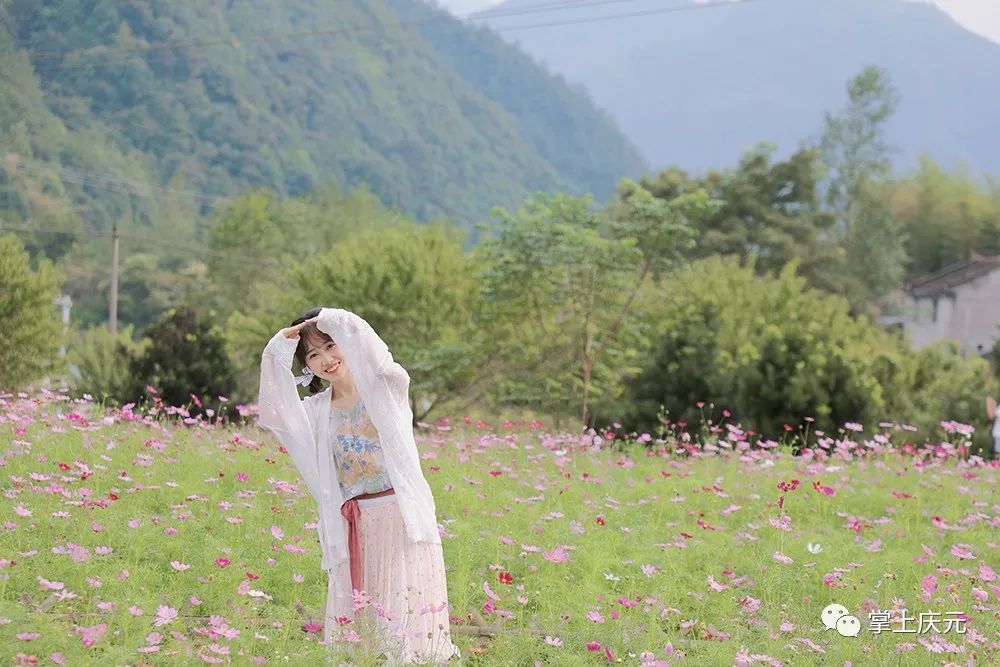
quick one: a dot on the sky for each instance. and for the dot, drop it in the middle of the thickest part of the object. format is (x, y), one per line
(980, 16)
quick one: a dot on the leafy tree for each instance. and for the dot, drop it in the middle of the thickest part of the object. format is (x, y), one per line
(412, 283)
(769, 209)
(185, 356)
(30, 329)
(858, 156)
(558, 285)
(944, 216)
(101, 363)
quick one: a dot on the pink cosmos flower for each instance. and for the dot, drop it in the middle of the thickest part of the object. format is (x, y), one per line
(750, 604)
(963, 551)
(557, 555)
(164, 615)
(91, 635)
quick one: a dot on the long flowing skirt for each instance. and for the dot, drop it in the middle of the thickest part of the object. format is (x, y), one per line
(404, 590)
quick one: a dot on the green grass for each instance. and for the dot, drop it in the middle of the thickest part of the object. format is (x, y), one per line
(672, 512)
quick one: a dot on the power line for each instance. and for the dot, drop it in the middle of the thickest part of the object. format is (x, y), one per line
(648, 12)
(543, 7)
(195, 47)
(132, 237)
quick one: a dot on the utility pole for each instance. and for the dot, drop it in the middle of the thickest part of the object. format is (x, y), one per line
(64, 301)
(113, 315)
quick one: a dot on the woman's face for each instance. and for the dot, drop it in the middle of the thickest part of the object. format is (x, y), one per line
(323, 358)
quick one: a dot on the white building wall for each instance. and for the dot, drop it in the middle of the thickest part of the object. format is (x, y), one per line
(969, 315)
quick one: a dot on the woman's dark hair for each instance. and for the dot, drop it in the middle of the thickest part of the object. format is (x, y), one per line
(310, 334)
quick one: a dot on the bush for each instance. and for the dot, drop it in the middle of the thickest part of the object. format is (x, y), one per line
(100, 363)
(768, 349)
(942, 385)
(185, 356)
(30, 329)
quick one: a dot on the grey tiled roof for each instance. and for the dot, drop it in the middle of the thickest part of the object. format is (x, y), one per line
(953, 275)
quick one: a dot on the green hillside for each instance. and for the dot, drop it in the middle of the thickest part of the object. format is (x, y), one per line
(215, 100)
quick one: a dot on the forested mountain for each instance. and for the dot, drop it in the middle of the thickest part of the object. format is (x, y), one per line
(212, 99)
(694, 84)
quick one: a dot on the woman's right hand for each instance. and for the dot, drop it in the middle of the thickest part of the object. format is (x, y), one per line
(293, 332)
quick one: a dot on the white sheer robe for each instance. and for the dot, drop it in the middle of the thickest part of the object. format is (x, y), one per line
(303, 425)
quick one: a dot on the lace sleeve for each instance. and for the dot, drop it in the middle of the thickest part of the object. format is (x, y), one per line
(282, 412)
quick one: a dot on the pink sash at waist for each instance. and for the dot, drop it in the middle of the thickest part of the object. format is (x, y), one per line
(351, 511)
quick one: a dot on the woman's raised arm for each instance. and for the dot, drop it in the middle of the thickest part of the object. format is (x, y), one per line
(371, 349)
(282, 412)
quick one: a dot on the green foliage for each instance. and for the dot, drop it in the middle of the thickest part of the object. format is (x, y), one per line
(766, 209)
(558, 284)
(858, 156)
(939, 383)
(412, 283)
(945, 216)
(559, 120)
(373, 103)
(30, 329)
(185, 355)
(101, 363)
(768, 349)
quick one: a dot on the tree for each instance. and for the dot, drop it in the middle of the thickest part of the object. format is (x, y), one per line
(858, 156)
(185, 356)
(769, 209)
(101, 363)
(413, 284)
(945, 216)
(559, 284)
(30, 330)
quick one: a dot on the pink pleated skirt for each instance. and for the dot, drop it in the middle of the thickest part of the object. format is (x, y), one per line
(405, 591)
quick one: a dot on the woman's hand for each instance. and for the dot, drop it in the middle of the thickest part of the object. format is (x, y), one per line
(293, 332)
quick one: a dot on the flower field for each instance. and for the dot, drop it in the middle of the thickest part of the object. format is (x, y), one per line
(157, 538)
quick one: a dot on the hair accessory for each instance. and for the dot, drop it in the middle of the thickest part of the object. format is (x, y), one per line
(306, 378)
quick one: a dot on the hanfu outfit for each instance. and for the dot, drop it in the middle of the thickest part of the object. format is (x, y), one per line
(378, 528)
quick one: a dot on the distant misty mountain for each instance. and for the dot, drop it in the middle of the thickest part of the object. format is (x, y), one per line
(696, 87)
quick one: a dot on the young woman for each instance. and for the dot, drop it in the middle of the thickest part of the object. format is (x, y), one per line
(352, 441)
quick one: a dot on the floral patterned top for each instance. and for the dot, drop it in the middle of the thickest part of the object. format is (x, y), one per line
(357, 452)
